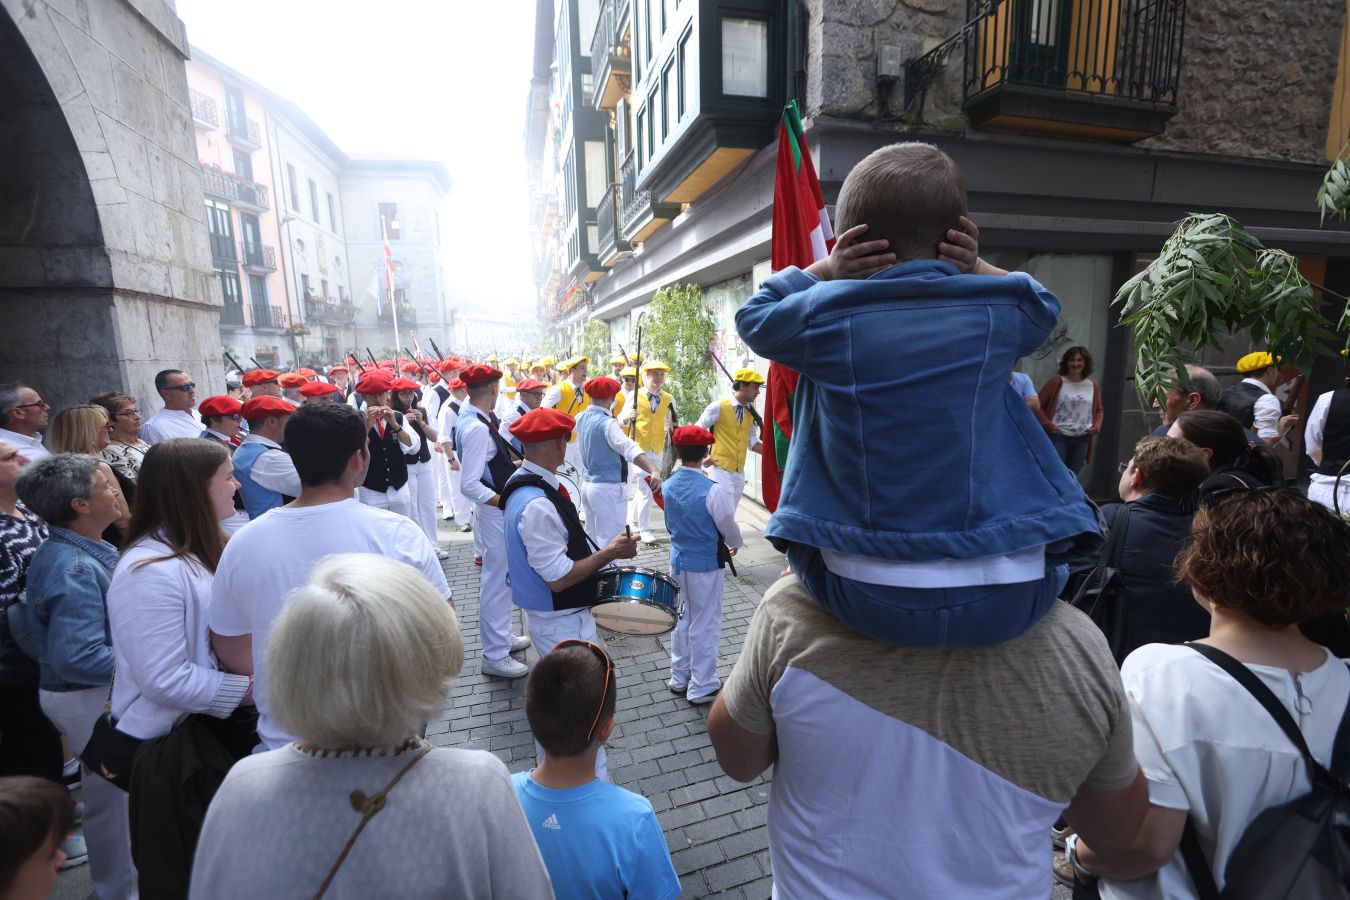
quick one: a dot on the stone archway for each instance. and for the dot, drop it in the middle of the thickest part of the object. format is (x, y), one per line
(105, 271)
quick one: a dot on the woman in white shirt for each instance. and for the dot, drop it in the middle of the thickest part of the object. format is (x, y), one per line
(1071, 405)
(1261, 561)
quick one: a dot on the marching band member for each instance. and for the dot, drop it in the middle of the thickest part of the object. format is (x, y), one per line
(262, 383)
(386, 484)
(627, 382)
(655, 413)
(267, 477)
(732, 421)
(608, 453)
(554, 573)
(320, 392)
(616, 365)
(460, 506)
(700, 513)
(421, 479)
(569, 396)
(221, 416)
(485, 466)
(529, 394)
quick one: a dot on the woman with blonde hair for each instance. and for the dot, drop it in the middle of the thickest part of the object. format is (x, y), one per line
(359, 659)
(87, 429)
(125, 451)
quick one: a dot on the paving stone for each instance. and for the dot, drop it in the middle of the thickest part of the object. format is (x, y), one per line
(732, 874)
(745, 843)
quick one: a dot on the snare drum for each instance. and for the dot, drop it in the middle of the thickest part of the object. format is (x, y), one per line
(637, 602)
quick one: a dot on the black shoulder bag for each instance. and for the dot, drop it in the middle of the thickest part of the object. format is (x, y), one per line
(1097, 591)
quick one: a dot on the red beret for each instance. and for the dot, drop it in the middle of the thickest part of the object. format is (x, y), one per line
(433, 376)
(259, 376)
(375, 381)
(542, 425)
(405, 384)
(410, 367)
(449, 364)
(214, 407)
(480, 374)
(458, 385)
(318, 389)
(307, 372)
(692, 436)
(266, 407)
(335, 369)
(531, 384)
(291, 379)
(602, 387)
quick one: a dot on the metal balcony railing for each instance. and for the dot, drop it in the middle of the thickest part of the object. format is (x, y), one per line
(232, 187)
(1128, 50)
(267, 316)
(203, 108)
(407, 315)
(632, 201)
(319, 309)
(258, 256)
(607, 222)
(232, 314)
(243, 131)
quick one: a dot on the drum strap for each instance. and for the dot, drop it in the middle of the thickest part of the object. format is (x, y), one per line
(579, 544)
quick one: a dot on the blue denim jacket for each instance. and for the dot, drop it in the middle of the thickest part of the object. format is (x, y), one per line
(68, 613)
(908, 442)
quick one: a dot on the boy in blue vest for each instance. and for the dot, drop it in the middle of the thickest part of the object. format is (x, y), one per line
(606, 454)
(922, 503)
(597, 840)
(267, 477)
(700, 515)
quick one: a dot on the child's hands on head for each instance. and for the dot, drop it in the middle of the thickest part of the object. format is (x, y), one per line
(962, 249)
(852, 258)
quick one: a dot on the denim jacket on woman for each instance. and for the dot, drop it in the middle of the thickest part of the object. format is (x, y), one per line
(67, 612)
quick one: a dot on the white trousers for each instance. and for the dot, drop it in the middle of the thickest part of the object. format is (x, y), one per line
(106, 827)
(573, 456)
(698, 634)
(640, 502)
(440, 464)
(1325, 493)
(494, 596)
(396, 500)
(734, 480)
(602, 504)
(460, 506)
(422, 491)
(547, 630)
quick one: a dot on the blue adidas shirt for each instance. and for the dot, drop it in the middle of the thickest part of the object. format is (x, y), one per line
(598, 841)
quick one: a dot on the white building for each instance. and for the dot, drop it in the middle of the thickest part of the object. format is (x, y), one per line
(408, 195)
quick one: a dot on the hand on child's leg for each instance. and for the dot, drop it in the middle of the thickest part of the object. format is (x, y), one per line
(962, 249)
(852, 259)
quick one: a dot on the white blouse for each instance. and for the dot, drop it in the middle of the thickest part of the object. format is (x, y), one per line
(164, 665)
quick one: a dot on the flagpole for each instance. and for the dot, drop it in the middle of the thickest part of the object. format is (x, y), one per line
(389, 279)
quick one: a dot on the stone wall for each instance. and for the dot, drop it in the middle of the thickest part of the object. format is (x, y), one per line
(1256, 80)
(105, 273)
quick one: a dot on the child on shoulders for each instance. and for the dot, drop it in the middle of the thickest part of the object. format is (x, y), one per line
(922, 503)
(597, 839)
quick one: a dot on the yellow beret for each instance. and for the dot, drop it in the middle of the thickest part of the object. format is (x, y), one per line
(568, 364)
(492, 358)
(655, 366)
(544, 362)
(510, 361)
(617, 361)
(749, 376)
(628, 372)
(1254, 361)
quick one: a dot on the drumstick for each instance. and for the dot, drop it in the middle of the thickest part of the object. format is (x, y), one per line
(627, 532)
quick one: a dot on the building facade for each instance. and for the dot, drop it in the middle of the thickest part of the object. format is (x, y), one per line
(1084, 130)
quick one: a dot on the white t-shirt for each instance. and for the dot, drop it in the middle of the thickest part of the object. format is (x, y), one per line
(1073, 410)
(272, 556)
(1207, 746)
(170, 423)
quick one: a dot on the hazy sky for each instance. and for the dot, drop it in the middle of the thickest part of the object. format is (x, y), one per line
(438, 79)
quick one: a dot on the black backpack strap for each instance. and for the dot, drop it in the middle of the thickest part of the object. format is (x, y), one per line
(1257, 688)
(1340, 753)
(1202, 876)
(1115, 539)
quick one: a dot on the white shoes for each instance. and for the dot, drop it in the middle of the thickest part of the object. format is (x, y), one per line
(442, 554)
(519, 642)
(506, 667)
(647, 537)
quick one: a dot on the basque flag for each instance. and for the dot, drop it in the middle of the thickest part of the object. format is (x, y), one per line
(801, 235)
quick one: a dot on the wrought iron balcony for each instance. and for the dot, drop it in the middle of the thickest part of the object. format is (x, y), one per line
(267, 316)
(639, 216)
(232, 315)
(222, 251)
(610, 242)
(611, 64)
(227, 186)
(203, 109)
(1104, 69)
(258, 257)
(329, 309)
(243, 132)
(407, 315)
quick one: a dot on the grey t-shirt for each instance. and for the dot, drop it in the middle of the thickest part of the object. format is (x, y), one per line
(452, 827)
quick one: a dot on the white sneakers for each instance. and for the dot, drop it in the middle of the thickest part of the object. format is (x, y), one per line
(647, 537)
(506, 667)
(519, 642)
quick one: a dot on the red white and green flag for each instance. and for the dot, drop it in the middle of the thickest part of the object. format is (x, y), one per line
(801, 235)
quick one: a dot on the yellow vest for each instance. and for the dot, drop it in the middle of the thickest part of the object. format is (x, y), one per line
(510, 386)
(733, 438)
(572, 402)
(651, 426)
(619, 400)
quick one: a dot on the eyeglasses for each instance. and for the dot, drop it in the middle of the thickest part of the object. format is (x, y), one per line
(191, 385)
(131, 413)
(235, 416)
(42, 403)
(609, 670)
(1121, 467)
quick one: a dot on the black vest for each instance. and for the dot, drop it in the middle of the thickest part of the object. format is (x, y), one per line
(1239, 401)
(423, 453)
(583, 593)
(388, 469)
(499, 468)
(444, 394)
(1336, 434)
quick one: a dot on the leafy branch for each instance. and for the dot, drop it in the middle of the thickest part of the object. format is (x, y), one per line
(1333, 197)
(1213, 278)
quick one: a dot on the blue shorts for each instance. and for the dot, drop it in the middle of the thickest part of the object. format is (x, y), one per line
(972, 616)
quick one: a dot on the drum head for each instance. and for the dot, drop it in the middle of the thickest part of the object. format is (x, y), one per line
(633, 617)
